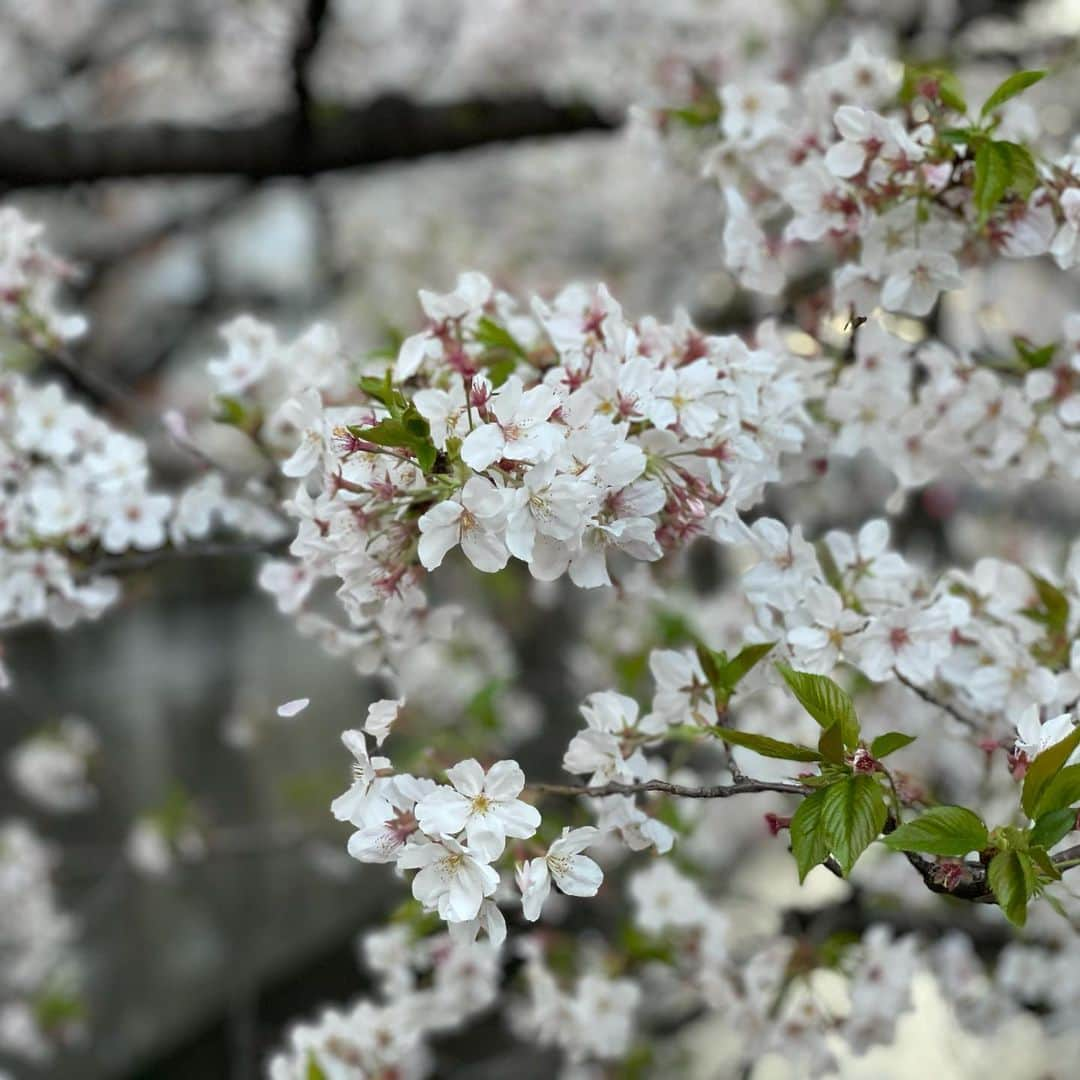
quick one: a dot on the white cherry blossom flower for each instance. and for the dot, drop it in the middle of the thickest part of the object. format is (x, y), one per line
(475, 521)
(486, 806)
(575, 874)
(452, 880)
(520, 429)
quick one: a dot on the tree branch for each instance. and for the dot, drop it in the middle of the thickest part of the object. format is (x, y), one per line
(141, 560)
(945, 706)
(312, 23)
(339, 137)
(722, 791)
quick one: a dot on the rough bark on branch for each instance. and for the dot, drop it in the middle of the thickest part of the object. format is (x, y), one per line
(336, 137)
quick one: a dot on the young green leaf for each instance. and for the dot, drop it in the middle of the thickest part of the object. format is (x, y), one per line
(1053, 609)
(493, 336)
(1001, 167)
(853, 814)
(1061, 792)
(1043, 769)
(889, 743)
(1015, 84)
(1041, 858)
(771, 748)
(941, 830)
(809, 844)
(1052, 826)
(1014, 881)
(826, 702)
(731, 673)
(831, 745)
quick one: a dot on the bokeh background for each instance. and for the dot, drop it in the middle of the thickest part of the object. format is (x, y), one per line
(307, 161)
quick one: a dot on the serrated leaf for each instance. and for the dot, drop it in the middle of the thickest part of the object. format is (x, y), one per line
(889, 743)
(742, 663)
(825, 701)
(853, 814)
(1001, 167)
(1014, 881)
(831, 745)
(1051, 827)
(941, 830)
(771, 748)
(1015, 84)
(710, 663)
(409, 430)
(1043, 769)
(809, 844)
(381, 390)
(1061, 792)
(1041, 858)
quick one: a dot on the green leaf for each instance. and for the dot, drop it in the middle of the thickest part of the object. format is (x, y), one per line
(1052, 826)
(408, 430)
(381, 390)
(710, 663)
(771, 748)
(1043, 769)
(740, 665)
(831, 745)
(826, 702)
(889, 743)
(499, 368)
(230, 411)
(1033, 357)
(1053, 607)
(493, 336)
(809, 843)
(1001, 167)
(1014, 881)
(314, 1070)
(1061, 792)
(942, 830)
(853, 814)
(1015, 84)
(1041, 858)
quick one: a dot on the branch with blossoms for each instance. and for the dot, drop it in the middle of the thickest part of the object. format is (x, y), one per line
(562, 436)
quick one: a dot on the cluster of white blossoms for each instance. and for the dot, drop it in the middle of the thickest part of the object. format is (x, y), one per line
(427, 986)
(562, 438)
(39, 971)
(30, 278)
(78, 491)
(52, 768)
(927, 413)
(890, 170)
(455, 834)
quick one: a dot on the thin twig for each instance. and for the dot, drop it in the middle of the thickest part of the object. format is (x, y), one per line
(945, 706)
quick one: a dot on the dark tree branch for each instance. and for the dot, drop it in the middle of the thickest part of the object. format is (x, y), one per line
(312, 23)
(744, 786)
(339, 137)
